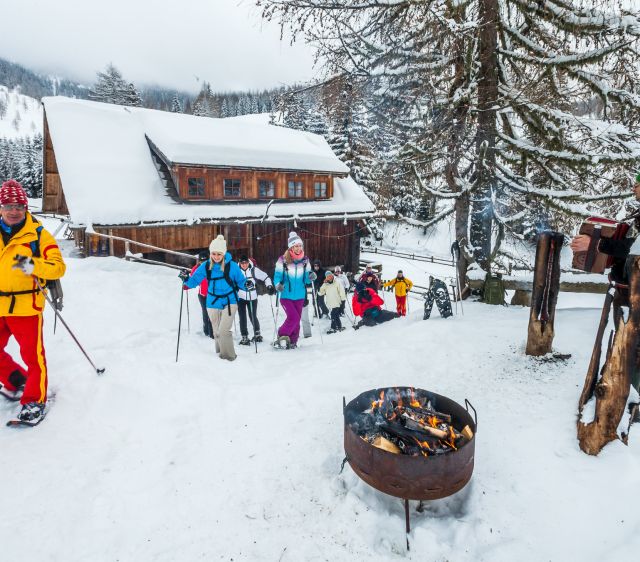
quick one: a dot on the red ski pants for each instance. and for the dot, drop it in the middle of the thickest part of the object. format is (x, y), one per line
(401, 305)
(27, 330)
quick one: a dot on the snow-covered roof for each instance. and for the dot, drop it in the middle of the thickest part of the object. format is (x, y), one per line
(109, 177)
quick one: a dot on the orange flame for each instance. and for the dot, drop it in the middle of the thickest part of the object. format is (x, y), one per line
(413, 402)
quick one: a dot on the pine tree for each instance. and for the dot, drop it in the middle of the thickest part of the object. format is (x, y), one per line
(176, 106)
(110, 87)
(132, 96)
(224, 111)
(483, 97)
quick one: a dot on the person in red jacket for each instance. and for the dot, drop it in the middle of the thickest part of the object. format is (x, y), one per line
(368, 304)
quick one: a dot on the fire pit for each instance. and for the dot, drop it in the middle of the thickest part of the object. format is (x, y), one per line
(410, 443)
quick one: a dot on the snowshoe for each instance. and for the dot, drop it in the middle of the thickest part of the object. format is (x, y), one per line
(12, 395)
(30, 415)
(283, 342)
(257, 338)
(245, 341)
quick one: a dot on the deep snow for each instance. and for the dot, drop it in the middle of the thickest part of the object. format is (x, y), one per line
(209, 460)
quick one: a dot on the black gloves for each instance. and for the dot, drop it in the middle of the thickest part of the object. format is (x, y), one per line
(249, 285)
(271, 290)
(184, 275)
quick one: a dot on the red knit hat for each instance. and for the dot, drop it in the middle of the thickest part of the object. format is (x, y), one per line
(12, 192)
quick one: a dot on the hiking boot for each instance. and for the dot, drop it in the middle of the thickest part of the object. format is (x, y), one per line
(331, 331)
(13, 395)
(31, 411)
(257, 338)
(245, 341)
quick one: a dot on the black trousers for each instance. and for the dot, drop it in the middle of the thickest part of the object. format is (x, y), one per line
(248, 308)
(206, 321)
(335, 319)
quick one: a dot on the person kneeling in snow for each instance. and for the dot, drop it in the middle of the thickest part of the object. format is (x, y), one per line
(367, 303)
(225, 280)
(334, 297)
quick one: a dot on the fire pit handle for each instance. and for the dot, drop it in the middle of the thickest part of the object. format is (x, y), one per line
(468, 405)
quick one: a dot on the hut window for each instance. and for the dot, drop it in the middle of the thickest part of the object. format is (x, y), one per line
(232, 188)
(266, 188)
(320, 188)
(295, 189)
(196, 187)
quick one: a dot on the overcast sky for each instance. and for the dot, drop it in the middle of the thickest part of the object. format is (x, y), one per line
(173, 43)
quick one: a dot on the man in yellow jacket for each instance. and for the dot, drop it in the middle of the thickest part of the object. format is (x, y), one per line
(27, 252)
(401, 286)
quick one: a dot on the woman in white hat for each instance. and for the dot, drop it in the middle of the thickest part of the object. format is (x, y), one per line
(292, 275)
(225, 279)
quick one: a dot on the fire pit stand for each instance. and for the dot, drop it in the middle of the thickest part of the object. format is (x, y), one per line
(410, 477)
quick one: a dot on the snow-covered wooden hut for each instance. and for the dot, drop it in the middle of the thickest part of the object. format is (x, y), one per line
(176, 181)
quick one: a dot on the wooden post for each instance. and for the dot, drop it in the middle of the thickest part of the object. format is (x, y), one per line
(612, 389)
(546, 285)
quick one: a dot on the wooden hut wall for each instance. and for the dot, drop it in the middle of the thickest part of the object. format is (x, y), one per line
(332, 242)
(214, 183)
(52, 195)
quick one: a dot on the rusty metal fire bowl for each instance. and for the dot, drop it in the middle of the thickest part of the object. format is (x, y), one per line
(404, 476)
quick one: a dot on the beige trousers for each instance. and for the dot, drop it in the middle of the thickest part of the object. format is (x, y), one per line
(222, 323)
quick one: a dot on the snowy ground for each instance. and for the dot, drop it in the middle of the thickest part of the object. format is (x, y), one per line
(209, 460)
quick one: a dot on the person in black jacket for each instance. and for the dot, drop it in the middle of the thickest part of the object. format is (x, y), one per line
(317, 283)
(619, 249)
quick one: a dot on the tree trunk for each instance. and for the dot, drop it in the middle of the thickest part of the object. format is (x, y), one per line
(482, 210)
(457, 127)
(546, 286)
(612, 390)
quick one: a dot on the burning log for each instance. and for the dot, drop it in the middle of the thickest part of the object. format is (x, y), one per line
(546, 285)
(426, 412)
(402, 422)
(416, 426)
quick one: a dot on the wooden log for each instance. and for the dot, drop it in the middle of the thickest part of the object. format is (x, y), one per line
(467, 433)
(419, 428)
(386, 445)
(612, 390)
(546, 282)
(594, 363)
(426, 412)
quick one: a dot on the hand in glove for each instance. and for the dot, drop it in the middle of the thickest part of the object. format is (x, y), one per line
(279, 287)
(24, 264)
(249, 285)
(312, 276)
(184, 275)
(271, 290)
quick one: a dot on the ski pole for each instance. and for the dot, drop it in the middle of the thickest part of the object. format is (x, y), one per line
(188, 316)
(182, 291)
(275, 320)
(315, 302)
(252, 311)
(58, 315)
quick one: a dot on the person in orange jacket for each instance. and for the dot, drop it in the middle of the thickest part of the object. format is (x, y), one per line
(22, 302)
(401, 286)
